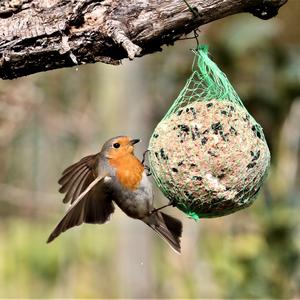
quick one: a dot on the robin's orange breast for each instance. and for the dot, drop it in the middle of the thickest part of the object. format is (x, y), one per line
(129, 170)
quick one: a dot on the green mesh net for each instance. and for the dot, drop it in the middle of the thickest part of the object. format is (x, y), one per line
(208, 155)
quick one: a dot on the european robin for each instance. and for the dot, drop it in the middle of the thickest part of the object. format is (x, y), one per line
(114, 175)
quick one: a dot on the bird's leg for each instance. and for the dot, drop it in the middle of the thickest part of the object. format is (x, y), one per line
(147, 168)
(171, 203)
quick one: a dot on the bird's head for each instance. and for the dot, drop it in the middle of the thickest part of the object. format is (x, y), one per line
(118, 147)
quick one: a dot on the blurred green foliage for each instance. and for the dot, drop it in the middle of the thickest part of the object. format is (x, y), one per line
(77, 265)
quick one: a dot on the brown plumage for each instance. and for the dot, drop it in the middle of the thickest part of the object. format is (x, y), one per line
(113, 175)
(77, 177)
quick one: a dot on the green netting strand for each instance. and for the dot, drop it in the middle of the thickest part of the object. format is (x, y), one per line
(208, 154)
(206, 82)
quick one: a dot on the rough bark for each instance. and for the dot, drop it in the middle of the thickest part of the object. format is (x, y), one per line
(40, 35)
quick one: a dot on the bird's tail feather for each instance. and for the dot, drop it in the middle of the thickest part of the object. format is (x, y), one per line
(167, 227)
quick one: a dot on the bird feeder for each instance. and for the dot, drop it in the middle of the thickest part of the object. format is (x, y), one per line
(208, 155)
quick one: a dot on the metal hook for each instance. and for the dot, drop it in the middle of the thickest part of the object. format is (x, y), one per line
(196, 14)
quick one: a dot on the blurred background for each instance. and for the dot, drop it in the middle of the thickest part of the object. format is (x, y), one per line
(49, 120)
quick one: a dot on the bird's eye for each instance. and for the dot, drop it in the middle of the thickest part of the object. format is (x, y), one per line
(116, 145)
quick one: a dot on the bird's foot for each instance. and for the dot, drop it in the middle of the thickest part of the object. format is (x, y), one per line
(148, 171)
(147, 168)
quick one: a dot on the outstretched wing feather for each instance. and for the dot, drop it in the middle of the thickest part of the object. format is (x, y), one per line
(84, 170)
(90, 199)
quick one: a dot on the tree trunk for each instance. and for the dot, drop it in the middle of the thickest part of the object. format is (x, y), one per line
(40, 35)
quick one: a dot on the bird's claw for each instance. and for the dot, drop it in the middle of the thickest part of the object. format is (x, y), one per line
(147, 168)
(144, 156)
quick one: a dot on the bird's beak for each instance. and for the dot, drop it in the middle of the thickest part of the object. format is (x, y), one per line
(132, 142)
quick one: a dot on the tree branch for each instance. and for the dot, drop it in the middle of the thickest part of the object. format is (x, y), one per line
(40, 35)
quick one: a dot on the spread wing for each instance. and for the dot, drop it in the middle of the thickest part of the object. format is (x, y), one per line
(76, 178)
(90, 199)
